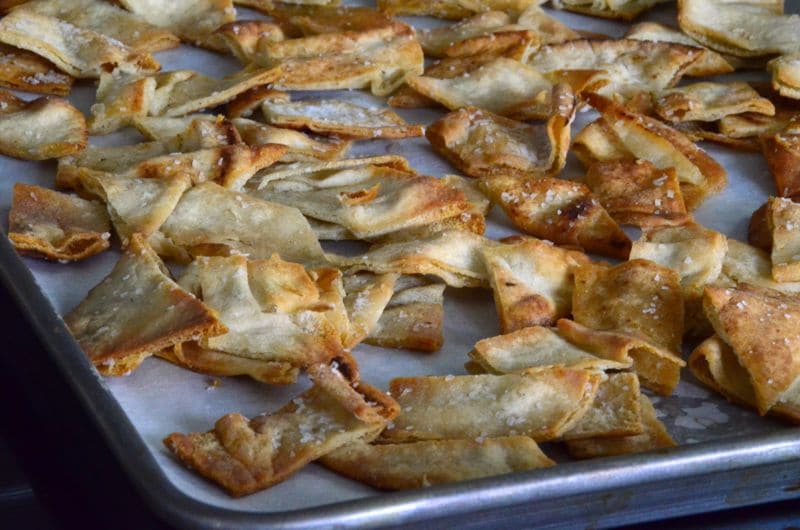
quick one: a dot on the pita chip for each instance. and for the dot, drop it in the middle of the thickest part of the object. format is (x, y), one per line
(366, 297)
(453, 9)
(322, 16)
(624, 10)
(24, 70)
(487, 32)
(785, 72)
(783, 224)
(710, 102)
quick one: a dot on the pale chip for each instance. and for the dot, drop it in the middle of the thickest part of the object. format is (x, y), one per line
(366, 297)
(785, 72)
(453, 9)
(783, 223)
(487, 32)
(747, 264)
(710, 102)
(47, 127)
(24, 70)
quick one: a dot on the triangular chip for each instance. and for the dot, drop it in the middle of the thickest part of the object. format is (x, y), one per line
(710, 102)
(783, 223)
(46, 223)
(136, 311)
(619, 9)
(562, 211)
(23, 70)
(46, 127)
(121, 97)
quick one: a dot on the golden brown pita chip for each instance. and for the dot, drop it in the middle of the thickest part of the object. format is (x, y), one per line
(211, 220)
(550, 30)
(244, 456)
(300, 147)
(414, 317)
(246, 103)
(616, 410)
(23, 70)
(48, 224)
(305, 169)
(638, 193)
(542, 405)
(785, 72)
(782, 152)
(366, 297)
(121, 97)
(487, 32)
(46, 127)
(427, 463)
(341, 118)
(136, 311)
(562, 211)
(323, 16)
(624, 10)
(380, 59)
(746, 264)
(483, 144)
(743, 28)
(783, 224)
(531, 281)
(710, 102)
(655, 436)
(78, 52)
(453, 9)
(638, 296)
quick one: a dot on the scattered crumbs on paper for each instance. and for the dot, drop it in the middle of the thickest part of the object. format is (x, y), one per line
(702, 417)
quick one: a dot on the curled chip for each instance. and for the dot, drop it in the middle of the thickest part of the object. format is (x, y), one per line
(487, 32)
(782, 152)
(783, 224)
(747, 264)
(24, 70)
(625, 9)
(325, 16)
(710, 102)
(46, 223)
(453, 9)
(786, 75)
(366, 297)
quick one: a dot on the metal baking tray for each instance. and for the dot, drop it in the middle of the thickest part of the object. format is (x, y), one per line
(728, 457)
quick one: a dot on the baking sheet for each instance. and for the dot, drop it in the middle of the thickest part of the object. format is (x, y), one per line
(160, 398)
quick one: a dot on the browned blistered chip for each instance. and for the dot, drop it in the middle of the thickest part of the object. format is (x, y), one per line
(248, 102)
(427, 463)
(760, 325)
(341, 118)
(783, 224)
(638, 296)
(453, 9)
(782, 152)
(710, 62)
(79, 52)
(313, 18)
(562, 211)
(746, 28)
(46, 223)
(785, 72)
(537, 348)
(483, 144)
(616, 410)
(366, 297)
(751, 126)
(107, 19)
(369, 201)
(212, 220)
(136, 311)
(244, 37)
(531, 281)
(23, 70)
(655, 436)
(487, 32)
(413, 318)
(624, 134)
(624, 67)
(121, 96)
(710, 102)
(542, 405)
(638, 193)
(244, 456)
(192, 20)
(47, 127)
(549, 29)
(624, 10)
(452, 255)
(380, 59)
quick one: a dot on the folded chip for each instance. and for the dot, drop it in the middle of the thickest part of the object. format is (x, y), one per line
(487, 32)
(336, 117)
(244, 456)
(562, 211)
(785, 72)
(616, 410)
(783, 224)
(622, 134)
(312, 17)
(301, 169)
(428, 463)
(742, 28)
(413, 318)
(300, 147)
(453, 9)
(47, 127)
(542, 405)
(655, 436)
(136, 311)
(78, 52)
(366, 296)
(52, 225)
(747, 264)
(380, 59)
(782, 152)
(120, 98)
(624, 10)
(483, 144)
(531, 281)
(24, 70)
(710, 102)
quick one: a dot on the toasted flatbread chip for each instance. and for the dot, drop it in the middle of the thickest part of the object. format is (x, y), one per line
(785, 72)
(487, 32)
(244, 456)
(121, 97)
(624, 67)
(453, 9)
(616, 410)
(246, 103)
(710, 102)
(561, 211)
(453, 255)
(760, 326)
(305, 169)
(414, 317)
(312, 17)
(366, 297)
(428, 463)
(107, 19)
(743, 28)
(212, 220)
(136, 311)
(243, 38)
(483, 144)
(782, 152)
(624, 10)
(341, 118)
(24, 70)
(638, 296)
(747, 264)
(380, 59)
(752, 126)
(51, 225)
(636, 136)
(78, 52)
(300, 147)
(783, 223)
(655, 436)
(194, 21)
(542, 405)
(638, 193)
(480, 203)
(531, 281)
(44, 128)
(709, 63)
